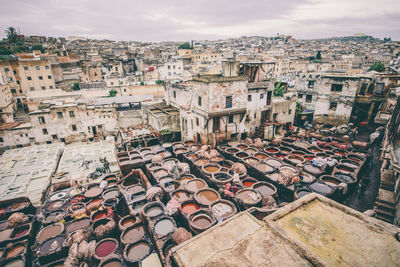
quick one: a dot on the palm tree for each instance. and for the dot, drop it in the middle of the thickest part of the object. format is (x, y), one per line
(11, 36)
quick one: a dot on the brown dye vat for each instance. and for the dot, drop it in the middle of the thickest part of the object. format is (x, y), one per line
(144, 150)
(14, 251)
(19, 206)
(195, 185)
(133, 234)
(181, 195)
(126, 222)
(326, 148)
(76, 206)
(224, 170)
(314, 149)
(273, 162)
(105, 247)
(93, 191)
(251, 160)
(226, 164)
(314, 170)
(181, 151)
(192, 156)
(51, 245)
(271, 150)
(251, 151)
(260, 156)
(249, 196)
(211, 168)
(242, 146)
(263, 167)
(137, 251)
(164, 226)
(55, 205)
(344, 168)
(265, 189)
(49, 232)
(20, 231)
(295, 159)
(201, 162)
(331, 180)
(78, 224)
(216, 159)
(206, 196)
(201, 222)
(114, 262)
(232, 150)
(189, 143)
(223, 209)
(241, 155)
(99, 214)
(185, 178)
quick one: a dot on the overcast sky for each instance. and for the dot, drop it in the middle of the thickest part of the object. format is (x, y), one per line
(158, 20)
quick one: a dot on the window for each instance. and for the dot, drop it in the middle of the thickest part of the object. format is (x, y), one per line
(40, 77)
(15, 72)
(249, 98)
(47, 67)
(290, 111)
(174, 93)
(116, 68)
(71, 113)
(310, 84)
(60, 115)
(32, 88)
(308, 98)
(13, 91)
(197, 121)
(228, 101)
(43, 87)
(332, 105)
(37, 67)
(29, 78)
(363, 88)
(199, 101)
(49, 77)
(230, 119)
(261, 96)
(51, 86)
(255, 115)
(336, 87)
(124, 89)
(6, 69)
(274, 116)
(1, 140)
(25, 67)
(379, 88)
(44, 130)
(41, 120)
(169, 73)
(300, 95)
(73, 127)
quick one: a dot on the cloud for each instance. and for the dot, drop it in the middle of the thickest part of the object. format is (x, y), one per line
(160, 20)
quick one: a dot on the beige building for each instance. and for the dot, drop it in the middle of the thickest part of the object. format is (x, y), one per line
(7, 104)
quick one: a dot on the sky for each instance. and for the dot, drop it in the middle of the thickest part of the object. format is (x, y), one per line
(177, 20)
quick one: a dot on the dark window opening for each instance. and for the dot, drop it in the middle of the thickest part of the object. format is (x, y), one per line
(308, 98)
(249, 97)
(230, 119)
(336, 87)
(228, 102)
(310, 84)
(60, 115)
(332, 105)
(199, 101)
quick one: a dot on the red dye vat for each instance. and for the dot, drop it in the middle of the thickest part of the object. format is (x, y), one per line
(271, 150)
(280, 156)
(248, 184)
(105, 248)
(21, 232)
(100, 215)
(297, 154)
(190, 208)
(76, 199)
(340, 153)
(308, 158)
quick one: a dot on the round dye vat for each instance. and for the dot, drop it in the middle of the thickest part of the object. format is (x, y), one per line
(15, 263)
(138, 251)
(189, 208)
(78, 224)
(153, 210)
(101, 214)
(181, 150)
(344, 168)
(241, 146)
(251, 151)
(76, 199)
(49, 232)
(128, 221)
(302, 192)
(248, 196)
(274, 163)
(207, 196)
(201, 221)
(281, 156)
(308, 178)
(57, 196)
(171, 185)
(223, 209)
(211, 168)
(51, 245)
(201, 162)
(271, 150)
(295, 159)
(298, 153)
(160, 173)
(308, 157)
(263, 167)
(134, 189)
(354, 157)
(93, 191)
(110, 194)
(112, 263)
(251, 161)
(20, 231)
(164, 227)
(265, 189)
(231, 150)
(138, 196)
(222, 177)
(314, 150)
(195, 185)
(185, 179)
(216, 159)
(248, 183)
(181, 195)
(14, 251)
(3, 226)
(55, 205)
(192, 156)
(105, 248)
(314, 170)
(320, 188)
(148, 156)
(19, 205)
(260, 156)
(241, 155)
(133, 234)
(332, 181)
(346, 178)
(94, 202)
(350, 164)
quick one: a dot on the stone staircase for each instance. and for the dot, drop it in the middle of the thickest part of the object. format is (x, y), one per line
(385, 204)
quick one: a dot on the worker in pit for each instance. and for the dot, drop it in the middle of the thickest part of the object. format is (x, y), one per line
(297, 180)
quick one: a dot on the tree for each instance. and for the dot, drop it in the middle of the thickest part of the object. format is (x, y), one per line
(142, 83)
(279, 89)
(76, 86)
(185, 45)
(38, 47)
(112, 93)
(318, 55)
(377, 66)
(159, 82)
(12, 36)
(5, 51)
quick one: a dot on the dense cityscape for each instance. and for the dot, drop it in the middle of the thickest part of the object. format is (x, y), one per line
(249, 151)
